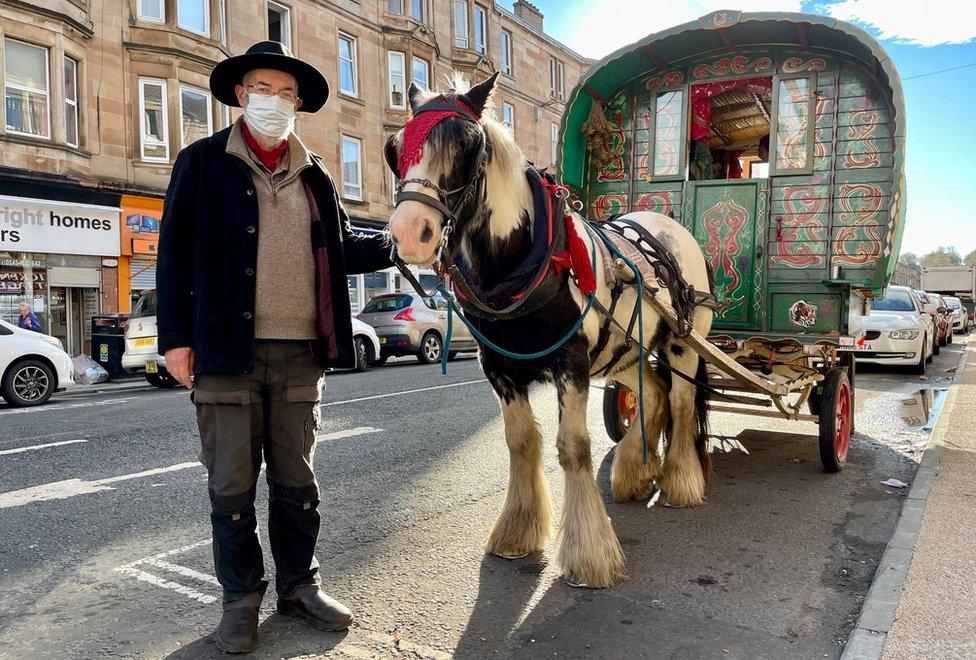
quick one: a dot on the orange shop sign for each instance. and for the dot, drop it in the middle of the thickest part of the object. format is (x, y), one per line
(140, 224)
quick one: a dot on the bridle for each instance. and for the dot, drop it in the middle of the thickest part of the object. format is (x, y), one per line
(452, 107)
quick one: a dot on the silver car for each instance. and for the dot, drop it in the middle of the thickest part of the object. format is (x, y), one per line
(410, 325)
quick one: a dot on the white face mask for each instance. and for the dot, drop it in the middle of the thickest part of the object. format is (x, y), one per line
(270, 116)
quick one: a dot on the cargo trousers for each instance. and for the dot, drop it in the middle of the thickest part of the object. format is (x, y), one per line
(273, 413)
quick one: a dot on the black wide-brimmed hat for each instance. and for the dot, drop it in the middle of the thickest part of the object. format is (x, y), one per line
(313, 88)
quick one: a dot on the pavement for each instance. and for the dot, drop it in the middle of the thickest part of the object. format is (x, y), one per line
(930, 578)
(105, 551)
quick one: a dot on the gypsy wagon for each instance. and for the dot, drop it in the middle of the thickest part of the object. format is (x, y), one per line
(778, 140)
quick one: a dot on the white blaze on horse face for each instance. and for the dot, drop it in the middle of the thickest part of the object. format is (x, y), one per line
(416, 227)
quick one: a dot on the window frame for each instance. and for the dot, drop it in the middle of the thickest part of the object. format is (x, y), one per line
(47, 92)
(774, 125)
(685, 141)
(423, 10)
(354, 52)
(553, 143)
(482, 47)
(210, 118)
(285, 12)
(557, 79)
(71, 102)
(206, 18)
(413, 59)
(222, 21)
(152, 19)
(359, 166)
(511, 124)
(164, 142)
(507, 55)
(399, 12)
(389, 79)
(461, 39)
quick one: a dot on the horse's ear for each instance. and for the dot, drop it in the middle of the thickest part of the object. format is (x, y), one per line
(414, 94)
(480, 93)
(390, 153)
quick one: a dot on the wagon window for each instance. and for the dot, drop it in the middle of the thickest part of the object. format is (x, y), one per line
(667, 133)
(793, 134)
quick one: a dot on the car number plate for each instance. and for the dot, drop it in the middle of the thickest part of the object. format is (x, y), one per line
(152, 367)
(144, 341)
(382, 340)
(866, 346)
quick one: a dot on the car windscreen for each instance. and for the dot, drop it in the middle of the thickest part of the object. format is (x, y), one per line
(895, 301)
(145, 306)
(386, 304)
(953, 303)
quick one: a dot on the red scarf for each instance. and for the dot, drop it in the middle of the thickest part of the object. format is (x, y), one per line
(268, 157)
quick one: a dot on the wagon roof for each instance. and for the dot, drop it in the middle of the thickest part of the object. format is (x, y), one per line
(715, 33)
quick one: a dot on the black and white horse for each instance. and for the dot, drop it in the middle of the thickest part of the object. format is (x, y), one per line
(491, 236)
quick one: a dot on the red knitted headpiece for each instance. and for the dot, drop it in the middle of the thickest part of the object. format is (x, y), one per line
(416, 130)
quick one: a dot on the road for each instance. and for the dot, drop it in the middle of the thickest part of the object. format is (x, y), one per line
(105, 551)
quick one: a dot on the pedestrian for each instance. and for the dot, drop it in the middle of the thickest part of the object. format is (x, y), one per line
(254, 251)
(28, 319)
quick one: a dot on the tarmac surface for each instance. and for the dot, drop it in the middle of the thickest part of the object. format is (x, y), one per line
(105, 551)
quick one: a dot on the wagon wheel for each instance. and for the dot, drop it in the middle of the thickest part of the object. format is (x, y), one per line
(836, 419)
(619, 410)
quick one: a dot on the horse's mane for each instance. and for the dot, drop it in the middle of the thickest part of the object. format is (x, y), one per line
(508, 195)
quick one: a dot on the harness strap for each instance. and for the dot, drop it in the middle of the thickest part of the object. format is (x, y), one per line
(424, 198)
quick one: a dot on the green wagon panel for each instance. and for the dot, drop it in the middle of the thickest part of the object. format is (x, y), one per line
(805, 312)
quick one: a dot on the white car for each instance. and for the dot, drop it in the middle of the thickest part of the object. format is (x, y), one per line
(956, 313)
(33, 366)
(367, 344)
(898, 331)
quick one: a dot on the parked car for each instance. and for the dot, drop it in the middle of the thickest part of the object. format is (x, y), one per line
(898, 331)
(932, 311)
(141, 349)
(944, 317)
(33, 366)
(410, 325)
(958, 314)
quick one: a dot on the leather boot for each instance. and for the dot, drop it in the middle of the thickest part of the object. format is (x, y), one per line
(238, 630)
(317, 608)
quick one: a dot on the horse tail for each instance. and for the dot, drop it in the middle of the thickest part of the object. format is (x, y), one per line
(701, 415)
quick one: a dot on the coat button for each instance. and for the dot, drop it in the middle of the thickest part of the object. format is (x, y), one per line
(249, 272)
(247, 316)
(251, 229)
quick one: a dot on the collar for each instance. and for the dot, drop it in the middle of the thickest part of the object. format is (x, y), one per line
(298, 157)
(268, 157)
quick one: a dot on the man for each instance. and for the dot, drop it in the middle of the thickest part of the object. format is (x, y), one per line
(27, 319)
(253, 305)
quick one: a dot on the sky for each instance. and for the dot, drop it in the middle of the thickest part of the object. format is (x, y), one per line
(920, 36)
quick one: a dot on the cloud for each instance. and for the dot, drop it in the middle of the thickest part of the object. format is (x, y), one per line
(917, 23)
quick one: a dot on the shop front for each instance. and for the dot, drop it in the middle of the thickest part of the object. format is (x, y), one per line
(138, 243)
(60, 259)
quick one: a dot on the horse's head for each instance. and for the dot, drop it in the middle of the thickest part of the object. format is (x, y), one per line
(440, 156)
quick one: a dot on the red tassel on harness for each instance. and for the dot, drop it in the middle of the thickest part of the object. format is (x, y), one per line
(415, 136)
(580, 255)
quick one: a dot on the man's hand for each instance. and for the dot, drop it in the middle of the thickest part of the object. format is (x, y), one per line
(179, 363)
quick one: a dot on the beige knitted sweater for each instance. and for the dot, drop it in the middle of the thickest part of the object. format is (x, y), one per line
(284, 306)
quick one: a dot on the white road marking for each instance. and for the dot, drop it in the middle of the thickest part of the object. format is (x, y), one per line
(62, 406)
(20, 450)
(192, 594)
(168, 553)
(348, 433)
(403, 392)
(184, 571)
(149, 473)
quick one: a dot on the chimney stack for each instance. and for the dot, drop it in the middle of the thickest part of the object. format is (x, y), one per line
(529, 13)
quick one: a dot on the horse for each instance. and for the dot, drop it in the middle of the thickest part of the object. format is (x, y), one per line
(466, 200)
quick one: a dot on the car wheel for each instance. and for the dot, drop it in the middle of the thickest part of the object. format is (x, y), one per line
(430, 349)
(919, 368)
(362, 355)
(163, 380)
(28, 383)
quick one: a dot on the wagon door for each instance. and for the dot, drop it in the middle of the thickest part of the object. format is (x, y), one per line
(729, 220)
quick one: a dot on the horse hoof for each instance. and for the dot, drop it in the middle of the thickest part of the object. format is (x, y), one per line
(574, 582)
(510, 557)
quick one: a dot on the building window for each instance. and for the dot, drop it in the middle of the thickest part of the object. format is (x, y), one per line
(557, 82)
(279, 24)
(506, 52)
(25, 73)
(154, 131)
(394, 6)
(554, 142)
(194, 15)
(196, 120)
(398, 80)
(420, 72)
(352, 170)
(152, 10)
(508, 116)
(479, 29)
(417, 10)
(222, 20)
(225, 116)
(461, 23)
(348, 74)
(71, 101)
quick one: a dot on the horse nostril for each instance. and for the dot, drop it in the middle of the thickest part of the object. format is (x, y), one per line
(427, 234)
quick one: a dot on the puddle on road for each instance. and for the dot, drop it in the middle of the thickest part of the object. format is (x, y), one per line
(921, 410)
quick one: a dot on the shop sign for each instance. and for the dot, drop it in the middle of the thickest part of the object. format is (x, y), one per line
(140, 224)
(38, 225)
